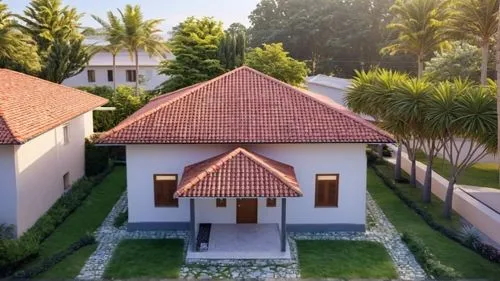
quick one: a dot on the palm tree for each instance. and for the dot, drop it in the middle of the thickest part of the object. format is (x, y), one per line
(138, 34)
(477, 21)
(16, 48)
(111, 29)
(418, 24)
(464, 113)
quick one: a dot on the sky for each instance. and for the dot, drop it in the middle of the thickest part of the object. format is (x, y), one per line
(172, 11)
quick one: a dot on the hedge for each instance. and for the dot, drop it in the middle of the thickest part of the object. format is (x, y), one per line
(16, 252)
(96, 158)
(429, 262)
(487, 251)
(50, 262)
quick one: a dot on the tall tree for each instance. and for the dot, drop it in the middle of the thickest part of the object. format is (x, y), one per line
(232, 47)
(137, 34)
(112, 31)
(418, 24)
(461, 61)
(477, 21)
(337, 32)
(274, 61)
(498, 97)
(57, 32)
(467, 116)
(194, 43)
(17, 50)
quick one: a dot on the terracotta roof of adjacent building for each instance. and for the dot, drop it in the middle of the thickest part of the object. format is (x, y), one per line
(30, 106)
(243, 106)
(239, 173)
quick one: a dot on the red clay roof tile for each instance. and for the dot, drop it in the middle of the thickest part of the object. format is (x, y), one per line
(30, 106)
(243, 106)
(238, 173)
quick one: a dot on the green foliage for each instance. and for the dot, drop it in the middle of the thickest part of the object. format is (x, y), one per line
(51, 261)
(121, 219)
(13, 253)
(124, 100)
(96, 158)
(232, 47)
(425, 257)
(418, 24)
(56, 30)
(330, 35)
(274, 61)
(17, 50)
(461, 61)
(195, 43)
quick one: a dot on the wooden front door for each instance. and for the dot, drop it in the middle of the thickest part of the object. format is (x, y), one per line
(246, 211)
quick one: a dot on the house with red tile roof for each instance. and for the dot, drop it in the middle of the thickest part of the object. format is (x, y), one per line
(43, 127)
(247, 157)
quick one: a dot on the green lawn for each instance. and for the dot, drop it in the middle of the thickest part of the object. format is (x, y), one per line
(344, 259)
(435, 207)
(86, 218)
(480, 174)
(69, 267)
(146, 259)
(448, 252)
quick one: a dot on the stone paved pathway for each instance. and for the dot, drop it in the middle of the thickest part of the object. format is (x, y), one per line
(381, 230)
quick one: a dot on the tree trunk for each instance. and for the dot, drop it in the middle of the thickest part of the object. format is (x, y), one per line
(380, 150)
(427, 188)
(484, 62)
(498, 100)
(137, 72)
(448, 202)
(420, 62)
(397, 168)
(413, 173)
(114, 72)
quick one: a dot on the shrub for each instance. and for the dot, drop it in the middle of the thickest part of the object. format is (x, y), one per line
(121, 219)
(15, 252)
(6, 231)
(429, 262)
(48, 263)
(96, 158)
(487, 251)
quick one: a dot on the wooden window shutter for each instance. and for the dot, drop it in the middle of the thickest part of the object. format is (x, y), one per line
(221, 203)
(271, 202)
(327, 189)
(164, 189)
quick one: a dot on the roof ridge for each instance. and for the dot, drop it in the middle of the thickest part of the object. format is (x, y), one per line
(53, 83)
(189, 90)
(307, 94)
(255, 158)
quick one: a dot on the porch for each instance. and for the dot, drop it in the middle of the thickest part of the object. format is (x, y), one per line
(242, 241)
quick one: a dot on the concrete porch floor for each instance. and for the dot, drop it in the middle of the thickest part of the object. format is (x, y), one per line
(243, 241)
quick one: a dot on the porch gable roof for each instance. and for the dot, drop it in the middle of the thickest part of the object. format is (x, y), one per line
(238, 173)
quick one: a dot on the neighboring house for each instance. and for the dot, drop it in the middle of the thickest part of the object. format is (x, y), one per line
(332, 87)
(245, 148)
(99, 71)
(43, 127)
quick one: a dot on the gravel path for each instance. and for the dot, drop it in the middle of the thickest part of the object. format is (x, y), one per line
(381, 231)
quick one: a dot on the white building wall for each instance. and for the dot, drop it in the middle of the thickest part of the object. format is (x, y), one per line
(348, 160)
(337, 95)
(8, 192)
(41, 164)
(152, 78)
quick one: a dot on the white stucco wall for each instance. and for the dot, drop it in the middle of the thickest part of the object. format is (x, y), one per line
(41, 164)
(8, 192)
(348, 160)
(337, 95)
(150, 73)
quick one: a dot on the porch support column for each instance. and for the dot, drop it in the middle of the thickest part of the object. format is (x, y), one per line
(283, 224)
(192, 225)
